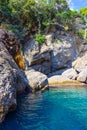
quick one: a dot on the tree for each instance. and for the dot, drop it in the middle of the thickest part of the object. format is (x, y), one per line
(83, 11)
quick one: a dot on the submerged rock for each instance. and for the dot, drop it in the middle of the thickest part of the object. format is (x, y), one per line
(12, 80)
(37, 80)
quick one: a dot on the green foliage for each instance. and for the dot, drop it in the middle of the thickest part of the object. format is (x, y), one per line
(81, 33)
(32, 13)
(40, 38)
(23, 10)
(66, 28)
(67, 17)
(18, 30)
(36, 14)
(5, 13)
(83, 11)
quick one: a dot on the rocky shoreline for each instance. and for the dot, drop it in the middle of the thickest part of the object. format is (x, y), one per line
(56, 62)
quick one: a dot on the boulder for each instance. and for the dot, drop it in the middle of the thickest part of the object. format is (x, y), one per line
(37, 56)
(70, 73)
(12, 80)
(61, 80)
(37, 80)
(82, 77)
(80, 63)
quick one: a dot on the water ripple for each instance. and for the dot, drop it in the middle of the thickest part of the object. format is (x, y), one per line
(56, 109)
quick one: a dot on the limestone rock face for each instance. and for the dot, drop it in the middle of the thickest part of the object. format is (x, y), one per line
(63, 53)
(59, 72)
(37, 57)
(79, 24)
(70, 73)
(58, 53)
(37, 80)
(82, 49)
(12, 80)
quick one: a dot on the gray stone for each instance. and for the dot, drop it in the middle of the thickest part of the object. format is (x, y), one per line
(83, 76)
(63, 53)
(82, 50)
(58, 72)
(37, 80)
(79, 24)
(80, 63)
(12, 80)
(70, 73)
(37, 57)
(2, 34)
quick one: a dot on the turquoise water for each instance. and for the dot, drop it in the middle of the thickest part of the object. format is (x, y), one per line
(57, 109)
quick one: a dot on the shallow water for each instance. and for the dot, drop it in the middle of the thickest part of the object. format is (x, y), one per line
(57, 109)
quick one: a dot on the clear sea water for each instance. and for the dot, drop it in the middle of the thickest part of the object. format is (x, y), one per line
(63, 108)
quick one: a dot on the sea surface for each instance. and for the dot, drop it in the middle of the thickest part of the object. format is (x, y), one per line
(63, 108)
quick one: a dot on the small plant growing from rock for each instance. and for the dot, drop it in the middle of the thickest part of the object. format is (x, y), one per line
(40, 38)
(81, 33)
(66, 28)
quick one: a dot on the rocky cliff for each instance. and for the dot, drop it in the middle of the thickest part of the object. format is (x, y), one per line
(57, 53)
(35, 67)
(14, 80)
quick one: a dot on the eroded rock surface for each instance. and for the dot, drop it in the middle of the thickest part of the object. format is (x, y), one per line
(80, 63)
(37, 57)
(37, 80)
(12, 80)
(70, 73)
(63, 53)
(82, 77)
(57, 53)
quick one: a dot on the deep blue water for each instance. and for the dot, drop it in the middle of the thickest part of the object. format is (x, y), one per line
(57, 109)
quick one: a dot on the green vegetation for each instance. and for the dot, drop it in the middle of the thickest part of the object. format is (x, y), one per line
(37, 16)
(40, 38)
(83, 11)
(32, 14)
(81, 33)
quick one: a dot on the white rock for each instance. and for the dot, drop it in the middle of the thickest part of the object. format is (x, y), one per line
(70, 73)
(37, 80)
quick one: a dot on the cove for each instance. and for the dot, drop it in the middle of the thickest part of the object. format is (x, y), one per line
(63, 108)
